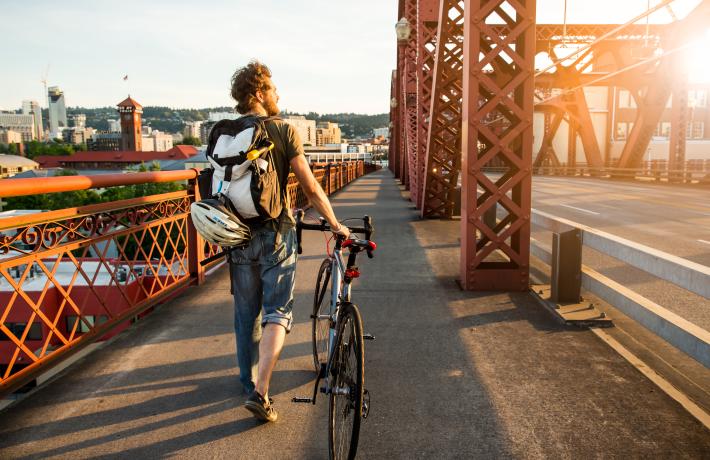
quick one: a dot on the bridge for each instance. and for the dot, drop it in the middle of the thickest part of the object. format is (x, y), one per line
(452, 373)
(523, 305)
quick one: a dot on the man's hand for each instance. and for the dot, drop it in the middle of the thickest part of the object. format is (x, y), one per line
(340, 230)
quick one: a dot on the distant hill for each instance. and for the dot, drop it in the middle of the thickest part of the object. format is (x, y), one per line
(173, 120)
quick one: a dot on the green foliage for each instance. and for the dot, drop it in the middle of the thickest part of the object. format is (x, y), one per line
(188, 140)
(35, 148)
(53, 201)
(8, 149)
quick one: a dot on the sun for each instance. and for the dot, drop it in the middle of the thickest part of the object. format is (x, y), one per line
(698, 62)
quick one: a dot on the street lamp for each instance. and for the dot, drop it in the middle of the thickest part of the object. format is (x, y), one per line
(403, 29)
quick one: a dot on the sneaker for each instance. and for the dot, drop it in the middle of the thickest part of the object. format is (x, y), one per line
(261, 408)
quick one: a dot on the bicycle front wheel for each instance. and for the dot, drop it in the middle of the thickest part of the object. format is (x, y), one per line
(320, 318)
(345, 403)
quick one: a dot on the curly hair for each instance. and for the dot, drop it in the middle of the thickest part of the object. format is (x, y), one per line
(246, 81)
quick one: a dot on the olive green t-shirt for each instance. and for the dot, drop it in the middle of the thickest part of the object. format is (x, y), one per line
(287, 146)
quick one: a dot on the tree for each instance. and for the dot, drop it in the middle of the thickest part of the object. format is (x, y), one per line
(189, 140)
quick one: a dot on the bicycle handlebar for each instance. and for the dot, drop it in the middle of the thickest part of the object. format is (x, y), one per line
(323, 226)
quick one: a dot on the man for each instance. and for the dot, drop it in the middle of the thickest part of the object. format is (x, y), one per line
(263, 274)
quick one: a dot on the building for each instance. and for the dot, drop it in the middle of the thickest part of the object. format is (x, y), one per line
(33, 108)
(114, 126)
(157, 141)
(23, 124)
(306, 128)
(192, 129)
(76, 135)
(205, 131)
(8, 136)
(327, 133)
(57, 111)
(381, 132)
(114, 159)
(15, 164)
(104, 142)
(130, 114)
(77, 120)
(217, 116)
(613, 111)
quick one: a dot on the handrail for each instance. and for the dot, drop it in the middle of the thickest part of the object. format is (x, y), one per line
(22, 187)
(70, 276)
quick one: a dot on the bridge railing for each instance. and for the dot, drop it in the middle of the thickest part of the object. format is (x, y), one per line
(658, 170)
(73, 276)
(688, 275)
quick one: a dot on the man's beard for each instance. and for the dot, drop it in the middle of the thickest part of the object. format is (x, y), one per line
(271, 108)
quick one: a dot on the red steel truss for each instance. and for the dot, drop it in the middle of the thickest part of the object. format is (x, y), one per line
(443, 153)
(409, 97)
(497, 127)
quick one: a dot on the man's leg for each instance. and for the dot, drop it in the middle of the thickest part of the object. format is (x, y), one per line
(272, 342)
(246, 286)
(278, 276)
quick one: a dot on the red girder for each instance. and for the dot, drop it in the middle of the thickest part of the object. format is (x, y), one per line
(497, 258)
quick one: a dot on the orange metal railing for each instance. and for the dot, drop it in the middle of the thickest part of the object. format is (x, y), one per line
(73, 276)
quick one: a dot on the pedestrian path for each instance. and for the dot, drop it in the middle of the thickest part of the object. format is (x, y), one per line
(451, 374)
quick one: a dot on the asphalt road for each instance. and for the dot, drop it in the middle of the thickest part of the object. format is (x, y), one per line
(673, 219)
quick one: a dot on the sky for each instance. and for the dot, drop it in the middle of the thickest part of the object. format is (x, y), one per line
(326, 56)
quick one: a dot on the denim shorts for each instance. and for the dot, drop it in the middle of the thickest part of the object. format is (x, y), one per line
(263, 278)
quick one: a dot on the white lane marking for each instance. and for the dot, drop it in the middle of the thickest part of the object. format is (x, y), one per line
(703, 241)
(580, 209)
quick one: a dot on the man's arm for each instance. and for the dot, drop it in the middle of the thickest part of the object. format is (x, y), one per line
(315, 193)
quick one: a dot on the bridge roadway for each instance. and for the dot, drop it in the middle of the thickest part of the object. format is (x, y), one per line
(452, 374)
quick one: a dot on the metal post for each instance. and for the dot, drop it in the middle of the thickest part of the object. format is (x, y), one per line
(566, 283)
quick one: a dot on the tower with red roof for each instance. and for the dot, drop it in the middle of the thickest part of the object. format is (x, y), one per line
(130, 113)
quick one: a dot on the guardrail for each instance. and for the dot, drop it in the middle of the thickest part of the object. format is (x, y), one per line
(691, 276)
(694, 171)
(73, 276)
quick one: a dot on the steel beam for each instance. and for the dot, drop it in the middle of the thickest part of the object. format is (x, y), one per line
(497, 258)
(443, 154)
(427, 19)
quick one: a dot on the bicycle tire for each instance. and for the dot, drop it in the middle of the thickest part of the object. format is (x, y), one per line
(319, 325)
(348, 371)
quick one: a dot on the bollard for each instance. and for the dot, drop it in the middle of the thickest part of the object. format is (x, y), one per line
(566, 280)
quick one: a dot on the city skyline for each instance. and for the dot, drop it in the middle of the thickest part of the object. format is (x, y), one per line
(326, 59)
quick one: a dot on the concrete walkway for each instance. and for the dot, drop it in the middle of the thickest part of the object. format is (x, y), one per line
(452, 374)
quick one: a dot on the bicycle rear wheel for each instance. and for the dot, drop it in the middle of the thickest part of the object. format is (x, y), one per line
(320, 318)
(345, 402)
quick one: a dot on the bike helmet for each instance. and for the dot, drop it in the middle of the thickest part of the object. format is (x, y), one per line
(217, 224)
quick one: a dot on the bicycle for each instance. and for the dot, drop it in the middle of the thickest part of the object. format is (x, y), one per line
(338, 349)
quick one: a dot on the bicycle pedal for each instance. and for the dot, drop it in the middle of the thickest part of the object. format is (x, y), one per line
(302, 400)
(365, 404)
(368, 336)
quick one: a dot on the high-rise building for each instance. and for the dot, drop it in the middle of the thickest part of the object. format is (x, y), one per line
(23, 124)
(114, 126)
(306, 128)
(78, 120)
(205, 131)
(131, 137)
(192, 129)
(57, 111)
(33, 108)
